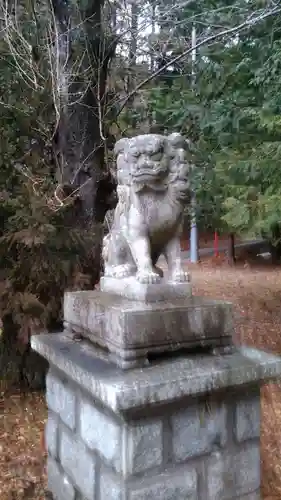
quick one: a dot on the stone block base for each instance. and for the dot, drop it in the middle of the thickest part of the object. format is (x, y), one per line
(130, 288)
(186, 429)
(134, 331)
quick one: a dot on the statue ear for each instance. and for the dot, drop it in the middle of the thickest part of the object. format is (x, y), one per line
(120, 146)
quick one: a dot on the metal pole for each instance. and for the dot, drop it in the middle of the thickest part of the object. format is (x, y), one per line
(193, 226)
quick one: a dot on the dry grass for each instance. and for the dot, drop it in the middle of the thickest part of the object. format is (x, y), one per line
(22, 459)
(256, 294)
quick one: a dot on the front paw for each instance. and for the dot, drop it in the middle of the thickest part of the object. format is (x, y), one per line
(123, 271)
(180, 276)
(148, 277)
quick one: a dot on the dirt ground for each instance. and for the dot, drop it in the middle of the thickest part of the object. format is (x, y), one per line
(256, 294)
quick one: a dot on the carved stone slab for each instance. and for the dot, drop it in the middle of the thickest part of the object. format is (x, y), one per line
(132, 330)
(130, 288)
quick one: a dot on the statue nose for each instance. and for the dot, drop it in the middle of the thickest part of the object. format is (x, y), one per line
(147, 164)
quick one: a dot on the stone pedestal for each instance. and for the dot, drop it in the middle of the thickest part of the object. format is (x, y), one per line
(133, 331)
(130, 288)
(181, 429)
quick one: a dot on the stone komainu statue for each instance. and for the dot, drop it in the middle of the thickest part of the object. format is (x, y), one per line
(153, 187)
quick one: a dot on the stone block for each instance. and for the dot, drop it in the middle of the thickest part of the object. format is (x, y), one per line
(234, 473)
(58, 483)
(173, 486)
(110, 489)
(61, 399)
(141, 400)
(132, 330)
(247, 416)
(143, 446)
(198, 430)
(101, 433)
(78, 463)
(130, 450)
(252, 496)
(51, 434)
(161, 383)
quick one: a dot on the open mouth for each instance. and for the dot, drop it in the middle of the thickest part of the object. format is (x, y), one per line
(150, 174)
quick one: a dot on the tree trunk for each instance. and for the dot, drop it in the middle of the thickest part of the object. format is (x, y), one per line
(275, 245)
(231, 249)
(131, 79)
(82, 56)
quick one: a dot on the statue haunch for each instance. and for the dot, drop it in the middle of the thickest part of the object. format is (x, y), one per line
(153, 187)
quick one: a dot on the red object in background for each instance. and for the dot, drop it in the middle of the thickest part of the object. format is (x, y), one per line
(216, 244)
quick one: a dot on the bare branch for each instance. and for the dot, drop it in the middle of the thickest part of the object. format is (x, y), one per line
(230, 31)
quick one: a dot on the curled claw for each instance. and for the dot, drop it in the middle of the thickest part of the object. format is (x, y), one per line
(148, 277)
(123, 271)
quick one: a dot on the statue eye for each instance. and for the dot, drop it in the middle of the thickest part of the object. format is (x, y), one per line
(156, 156)
(135, 154)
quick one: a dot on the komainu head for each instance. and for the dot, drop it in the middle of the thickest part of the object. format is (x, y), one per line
(154, 161)
(142, 160)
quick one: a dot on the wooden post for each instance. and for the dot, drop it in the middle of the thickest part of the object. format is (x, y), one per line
(216, 244)
(231, 249)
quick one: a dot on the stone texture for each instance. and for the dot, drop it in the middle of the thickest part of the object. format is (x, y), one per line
(169, 487)
(134, 449)
(61, 399)
(94, 426)
(110, 489)
(131, 289)
(175, 444)
(78, 463)
(198, 430)
(144, 446)
(252, 496)
(231, 475)
(247, 417)
(51, 434)
(58, 483)
(160, 383)
(132, 330)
